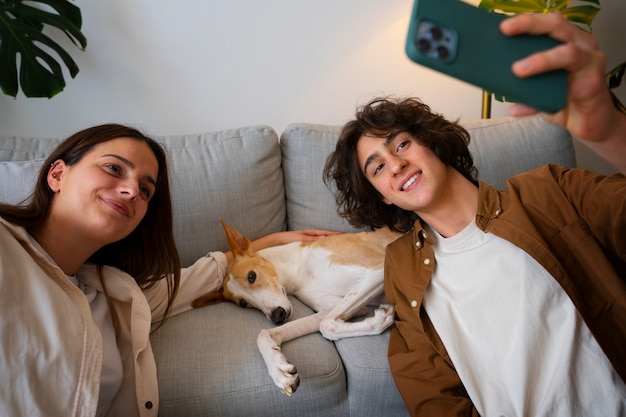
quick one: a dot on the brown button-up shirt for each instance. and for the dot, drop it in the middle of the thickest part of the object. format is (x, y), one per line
(571, 221)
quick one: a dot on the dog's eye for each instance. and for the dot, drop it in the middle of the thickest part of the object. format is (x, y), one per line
(251, 277)
(243, 304)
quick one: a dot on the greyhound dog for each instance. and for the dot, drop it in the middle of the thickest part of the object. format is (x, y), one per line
(337, 276)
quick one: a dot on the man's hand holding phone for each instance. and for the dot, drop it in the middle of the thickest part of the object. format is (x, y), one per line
(589, 113)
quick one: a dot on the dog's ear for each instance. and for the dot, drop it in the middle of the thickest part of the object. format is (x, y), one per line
(208, 299)
(237, 243)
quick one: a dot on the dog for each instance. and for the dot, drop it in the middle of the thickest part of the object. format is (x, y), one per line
(337, 276)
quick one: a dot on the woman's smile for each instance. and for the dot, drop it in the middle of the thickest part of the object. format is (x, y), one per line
(117, 206)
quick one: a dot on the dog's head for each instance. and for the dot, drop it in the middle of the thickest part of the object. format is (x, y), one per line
(251, 281)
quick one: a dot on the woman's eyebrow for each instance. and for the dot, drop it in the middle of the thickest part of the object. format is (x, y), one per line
(130, 165)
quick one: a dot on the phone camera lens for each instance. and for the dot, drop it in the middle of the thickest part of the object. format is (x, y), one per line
(443, 52)
(423, 45)
(436, 33)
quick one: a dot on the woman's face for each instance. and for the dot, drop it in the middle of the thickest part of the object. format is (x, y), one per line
(105, 195)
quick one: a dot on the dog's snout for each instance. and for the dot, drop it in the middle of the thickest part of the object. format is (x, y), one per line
(279, 315)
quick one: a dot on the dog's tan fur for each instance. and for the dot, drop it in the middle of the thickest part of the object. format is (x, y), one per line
(337, 276)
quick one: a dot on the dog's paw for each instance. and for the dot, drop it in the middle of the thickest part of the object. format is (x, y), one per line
(284, 374)
(286, 378)
(383, 317)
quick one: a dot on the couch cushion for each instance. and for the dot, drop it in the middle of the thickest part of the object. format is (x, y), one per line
(372, 391)
(507, 146)
(500, 147)
(217, 370)
(234, 174)
(310, 203)
(22, 159)
(17, 180)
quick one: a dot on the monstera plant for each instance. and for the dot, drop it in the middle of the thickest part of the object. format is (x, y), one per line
(579, 12)
(23, 42)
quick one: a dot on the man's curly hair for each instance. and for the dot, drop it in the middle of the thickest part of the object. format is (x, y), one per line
(357, 200)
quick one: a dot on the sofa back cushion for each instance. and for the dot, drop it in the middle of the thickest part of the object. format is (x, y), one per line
(500, 147)
(232, 174)
(22, 159)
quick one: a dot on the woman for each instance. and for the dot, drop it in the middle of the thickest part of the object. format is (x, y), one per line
(86, 265)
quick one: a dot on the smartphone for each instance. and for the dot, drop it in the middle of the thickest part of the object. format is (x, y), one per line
(465, 42)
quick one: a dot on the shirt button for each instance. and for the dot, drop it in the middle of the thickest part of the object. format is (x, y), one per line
(426, 261)
(418, 244)
(413, 303)
(497, 213)
(149, 405)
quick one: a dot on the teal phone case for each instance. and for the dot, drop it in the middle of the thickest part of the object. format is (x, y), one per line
(483, 55)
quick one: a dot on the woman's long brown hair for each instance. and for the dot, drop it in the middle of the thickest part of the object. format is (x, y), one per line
(149, 252)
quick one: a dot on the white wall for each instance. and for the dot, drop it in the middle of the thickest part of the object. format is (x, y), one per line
(201, 65)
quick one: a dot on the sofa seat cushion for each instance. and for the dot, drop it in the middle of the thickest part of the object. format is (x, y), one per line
(372, 391)
(218, 371)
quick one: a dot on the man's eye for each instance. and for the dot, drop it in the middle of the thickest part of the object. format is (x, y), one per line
(402, 145)
(378, 168)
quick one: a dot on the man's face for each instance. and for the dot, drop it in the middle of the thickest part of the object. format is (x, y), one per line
(406, 173)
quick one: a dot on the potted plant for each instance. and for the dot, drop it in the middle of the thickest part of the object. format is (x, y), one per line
(22, 26)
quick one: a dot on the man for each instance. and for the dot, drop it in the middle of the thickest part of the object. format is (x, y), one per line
(507, 302)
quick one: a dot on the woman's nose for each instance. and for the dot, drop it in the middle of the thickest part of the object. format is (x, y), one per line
(129, 189)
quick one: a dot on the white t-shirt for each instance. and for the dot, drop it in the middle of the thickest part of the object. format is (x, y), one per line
(516, 340)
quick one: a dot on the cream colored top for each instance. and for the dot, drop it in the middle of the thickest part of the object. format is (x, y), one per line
(51, 350)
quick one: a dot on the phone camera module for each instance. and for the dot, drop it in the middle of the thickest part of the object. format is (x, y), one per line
(436, 41)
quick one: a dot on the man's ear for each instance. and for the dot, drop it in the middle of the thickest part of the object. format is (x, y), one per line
(55, 175)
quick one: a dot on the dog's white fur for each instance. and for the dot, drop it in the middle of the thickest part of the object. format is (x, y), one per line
(337, 276)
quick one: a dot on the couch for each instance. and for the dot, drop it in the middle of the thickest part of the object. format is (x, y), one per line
(208, 363)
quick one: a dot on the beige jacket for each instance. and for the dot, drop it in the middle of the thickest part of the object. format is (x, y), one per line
(50, 348)
(571, 221)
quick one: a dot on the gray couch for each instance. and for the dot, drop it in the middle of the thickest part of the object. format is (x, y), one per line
(208, 363)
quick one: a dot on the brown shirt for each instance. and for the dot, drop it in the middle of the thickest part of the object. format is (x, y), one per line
(571, 221)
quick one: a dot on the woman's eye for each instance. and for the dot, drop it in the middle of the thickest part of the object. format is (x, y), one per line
(146, 191)
(114, 168)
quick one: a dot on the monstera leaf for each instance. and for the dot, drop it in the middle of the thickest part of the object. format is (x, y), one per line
(21, 33)
(582, 12)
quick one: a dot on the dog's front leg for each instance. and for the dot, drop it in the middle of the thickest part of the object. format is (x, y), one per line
(283, 373)
(336, 326)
